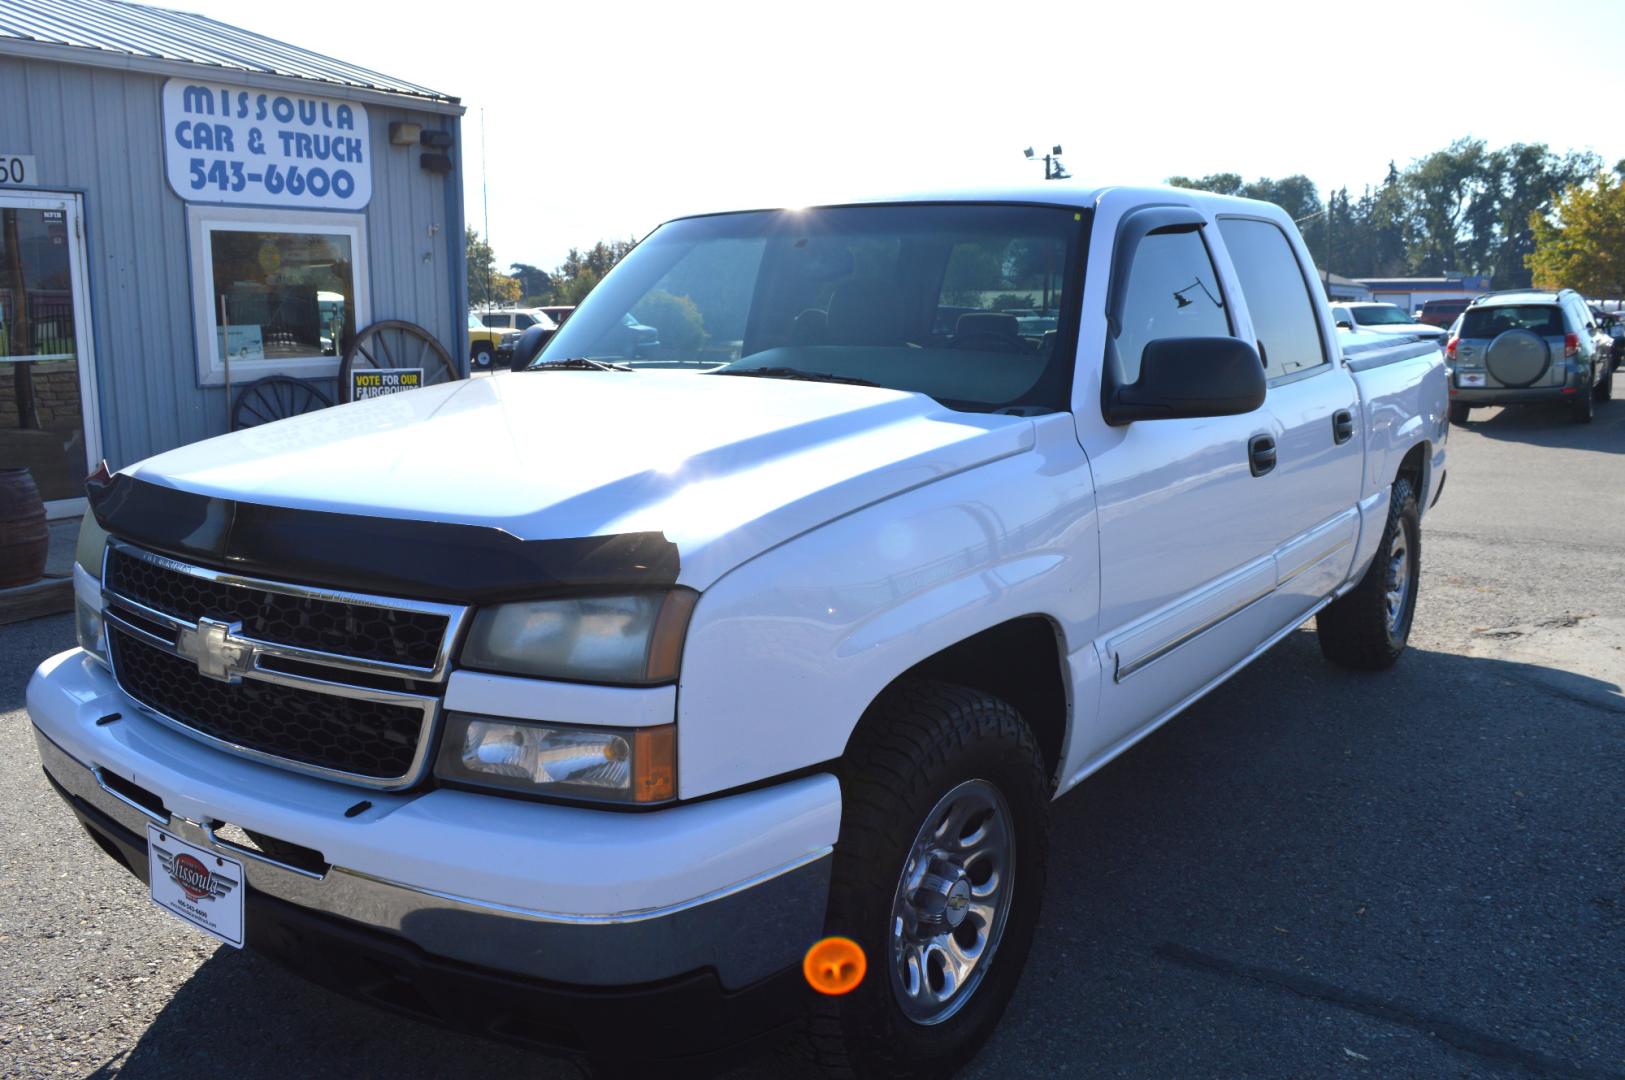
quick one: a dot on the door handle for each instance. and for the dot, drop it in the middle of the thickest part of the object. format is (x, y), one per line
(1342, 426)
(1261, 454)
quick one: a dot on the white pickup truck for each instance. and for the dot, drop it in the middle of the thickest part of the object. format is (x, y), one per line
(921, 512)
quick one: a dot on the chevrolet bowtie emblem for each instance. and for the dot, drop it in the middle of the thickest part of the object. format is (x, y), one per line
(216, 650)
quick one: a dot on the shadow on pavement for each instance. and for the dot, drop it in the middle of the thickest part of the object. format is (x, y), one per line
(1428, 860)
(1552, 425)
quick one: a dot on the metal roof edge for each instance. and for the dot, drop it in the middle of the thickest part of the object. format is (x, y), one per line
(146, 65)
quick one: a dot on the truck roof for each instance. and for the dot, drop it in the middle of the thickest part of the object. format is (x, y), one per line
(1047, 193)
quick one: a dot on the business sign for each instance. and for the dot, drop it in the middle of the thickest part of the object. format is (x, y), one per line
(375, 384)
(227, 144)
(17, 170)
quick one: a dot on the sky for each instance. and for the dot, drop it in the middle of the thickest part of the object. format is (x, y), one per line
(604, 118)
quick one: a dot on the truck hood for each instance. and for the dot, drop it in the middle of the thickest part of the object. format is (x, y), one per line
(724, 468)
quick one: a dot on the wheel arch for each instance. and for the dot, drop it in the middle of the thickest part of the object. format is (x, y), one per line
(1021, 661)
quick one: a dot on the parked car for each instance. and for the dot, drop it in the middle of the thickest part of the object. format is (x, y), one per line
(1442, 312)
(1377, 318)
(592, 752)
(1530, 346)
(484, 342)
(520, 319)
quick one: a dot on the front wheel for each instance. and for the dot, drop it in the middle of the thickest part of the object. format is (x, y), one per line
(481, 355)
(1367, 627)
(939, 873)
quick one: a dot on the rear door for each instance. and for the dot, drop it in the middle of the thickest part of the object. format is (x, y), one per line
(1315, 407)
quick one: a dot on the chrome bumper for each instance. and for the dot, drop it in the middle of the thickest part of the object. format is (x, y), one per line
(745, 932)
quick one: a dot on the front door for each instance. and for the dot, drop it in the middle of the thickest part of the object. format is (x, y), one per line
(1187, 525)
(47, 390)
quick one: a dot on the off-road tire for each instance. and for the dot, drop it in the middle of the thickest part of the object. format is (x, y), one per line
(1460, 412)
(918, 741)
(1353, 629)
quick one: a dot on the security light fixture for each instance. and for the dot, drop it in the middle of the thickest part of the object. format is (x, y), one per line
(439, 164)
(402, 133)
(436, 140)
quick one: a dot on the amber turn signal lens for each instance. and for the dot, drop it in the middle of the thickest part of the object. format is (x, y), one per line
(666, 642)
(834, 966)
(654, 764)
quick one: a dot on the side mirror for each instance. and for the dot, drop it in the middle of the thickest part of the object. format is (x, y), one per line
(1344, 324)
(529, 346)
(1189, 377)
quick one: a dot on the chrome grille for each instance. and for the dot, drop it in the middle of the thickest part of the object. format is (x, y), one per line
(336, 684)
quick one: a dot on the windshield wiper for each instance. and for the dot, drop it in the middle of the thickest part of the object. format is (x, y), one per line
(796, 373)
(577, 363)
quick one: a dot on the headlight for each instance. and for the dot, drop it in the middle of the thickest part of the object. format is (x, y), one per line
(635, 639)
(632, 765)
(87, 610)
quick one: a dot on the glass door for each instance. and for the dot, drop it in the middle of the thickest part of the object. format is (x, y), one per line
(48, 420)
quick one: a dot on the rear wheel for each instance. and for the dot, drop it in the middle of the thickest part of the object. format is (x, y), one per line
(1584, 406)
(1367, 627)
(938, 875)
(1605, 388)
(1460, 412)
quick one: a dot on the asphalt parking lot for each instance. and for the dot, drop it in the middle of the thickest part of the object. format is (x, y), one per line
(1311, 873)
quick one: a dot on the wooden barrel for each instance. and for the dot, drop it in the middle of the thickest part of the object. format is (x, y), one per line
(24, 540)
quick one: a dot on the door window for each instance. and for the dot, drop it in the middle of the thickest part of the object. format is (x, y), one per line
(1173, 291)
(1277, 295)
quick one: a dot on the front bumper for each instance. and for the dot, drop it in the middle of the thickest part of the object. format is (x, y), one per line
(734, 886)
(692, 1016)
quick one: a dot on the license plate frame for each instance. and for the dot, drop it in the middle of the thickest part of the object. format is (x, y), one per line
(1471, 378)
(200, 887)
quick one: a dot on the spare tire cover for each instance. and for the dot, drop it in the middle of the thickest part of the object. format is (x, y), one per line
(1518, 357)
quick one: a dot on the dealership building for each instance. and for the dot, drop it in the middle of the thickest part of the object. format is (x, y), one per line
(187, 205)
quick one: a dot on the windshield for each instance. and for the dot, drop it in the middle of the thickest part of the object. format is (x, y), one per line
(1380, 315)
(974, 305)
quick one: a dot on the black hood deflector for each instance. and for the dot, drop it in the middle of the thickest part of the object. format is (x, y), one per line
(427, 560)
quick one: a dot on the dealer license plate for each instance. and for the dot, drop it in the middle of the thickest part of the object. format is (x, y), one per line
(200, 886)
(1472, 378)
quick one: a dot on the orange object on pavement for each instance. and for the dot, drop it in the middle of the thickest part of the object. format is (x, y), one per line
(835, 965)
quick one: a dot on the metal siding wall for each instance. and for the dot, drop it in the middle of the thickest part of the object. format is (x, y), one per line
(411, 276)
(99, 132)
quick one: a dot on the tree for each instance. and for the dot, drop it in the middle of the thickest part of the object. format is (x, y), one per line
(536, 285)
(580, 271)
(1580, 243)
(1225, 183)
(486, 287)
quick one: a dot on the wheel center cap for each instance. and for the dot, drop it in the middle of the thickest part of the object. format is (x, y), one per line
(942, 899)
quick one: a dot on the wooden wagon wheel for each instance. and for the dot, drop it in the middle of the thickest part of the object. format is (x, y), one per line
(394, 344)
(275, 397)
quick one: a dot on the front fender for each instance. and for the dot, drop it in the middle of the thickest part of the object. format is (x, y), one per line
(786, 652)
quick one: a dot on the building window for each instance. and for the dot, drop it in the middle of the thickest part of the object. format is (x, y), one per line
(275, 292)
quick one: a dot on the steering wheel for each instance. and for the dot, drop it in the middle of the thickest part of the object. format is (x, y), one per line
(989, 343)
